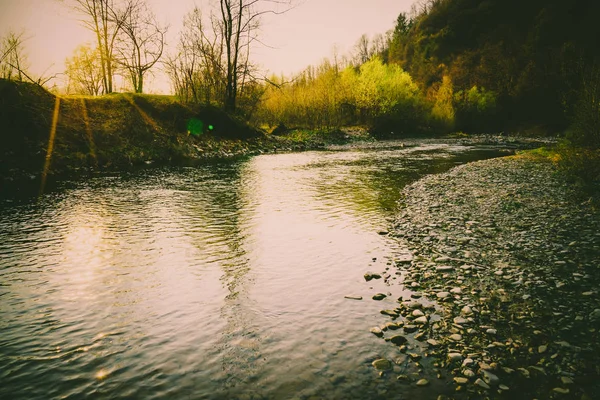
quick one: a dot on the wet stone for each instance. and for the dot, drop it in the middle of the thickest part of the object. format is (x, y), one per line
(379, 296)
(382, 364)
(410, 328)
(370, 276)
(377, 332)
(398, 340)
(482, 384)
(422, 382)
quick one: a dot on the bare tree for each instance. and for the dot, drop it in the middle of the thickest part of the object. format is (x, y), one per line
(13, 60)
(105, 20)
(362, 49)
(141, 42)
(240, 20)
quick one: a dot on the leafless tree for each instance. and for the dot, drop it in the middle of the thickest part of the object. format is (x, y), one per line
(140, 43)
(13, 60)
(240, 20)
(105, 19)
(362, 50)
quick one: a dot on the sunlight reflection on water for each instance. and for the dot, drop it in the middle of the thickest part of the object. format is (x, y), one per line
(212, 282)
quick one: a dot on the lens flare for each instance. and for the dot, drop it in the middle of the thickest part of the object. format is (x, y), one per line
(50, 147)
(88, 130)
(195, 127)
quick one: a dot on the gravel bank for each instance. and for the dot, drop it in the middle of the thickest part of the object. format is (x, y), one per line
(511, 255)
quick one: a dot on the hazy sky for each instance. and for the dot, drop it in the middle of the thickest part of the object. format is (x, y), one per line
(302, 36)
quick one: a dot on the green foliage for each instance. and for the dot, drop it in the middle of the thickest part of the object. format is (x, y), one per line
(533, 72)
(328, 97)
(443, 108)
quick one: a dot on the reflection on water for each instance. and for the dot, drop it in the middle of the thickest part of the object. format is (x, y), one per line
(221, 281)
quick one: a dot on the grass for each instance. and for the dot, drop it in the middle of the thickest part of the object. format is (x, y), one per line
(579, 165)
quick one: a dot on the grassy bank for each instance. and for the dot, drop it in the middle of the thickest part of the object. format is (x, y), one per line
(580, 166)
(40, 130)
(43, 134)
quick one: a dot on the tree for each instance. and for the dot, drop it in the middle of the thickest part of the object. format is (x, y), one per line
(362, 49)
(84, 72)
(140, 44)
(13, 61)
(239, 22)
(105, 20)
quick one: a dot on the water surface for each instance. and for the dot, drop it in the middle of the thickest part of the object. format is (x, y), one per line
(225, 280)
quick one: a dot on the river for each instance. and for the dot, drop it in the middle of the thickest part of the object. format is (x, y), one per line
(222, 280)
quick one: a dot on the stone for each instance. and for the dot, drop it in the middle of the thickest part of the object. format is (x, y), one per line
(398, 340)
(468, 373)
(456, 290)
(422, 382)
(489, 378)
(466, 311)
(370, 275)
(377, 332)
(456, 337)
(390, 313)
(467, 361)
(421, 320)
(542, 349)
(460, 321)
(444, 268)
(453, 357)
(414, 356)
(560, 390)
(503, 387)
(482, 384)
(382, 364)
(566, 380)
(353, 297)
(379, 296)
(491, 331)
(417, 313)
(410, 328)
(460, 380)
(442, 295)
(392, 326)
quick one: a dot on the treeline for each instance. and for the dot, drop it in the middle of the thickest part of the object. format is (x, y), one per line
(477, 66)
(511, 65)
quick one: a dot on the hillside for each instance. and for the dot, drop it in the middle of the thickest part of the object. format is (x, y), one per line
(537, 60)
(111, 131)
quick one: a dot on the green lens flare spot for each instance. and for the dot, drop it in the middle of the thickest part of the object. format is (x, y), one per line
(195, 127)
(210, 127)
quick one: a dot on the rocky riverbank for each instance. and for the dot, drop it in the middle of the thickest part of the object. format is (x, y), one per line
(509, 255)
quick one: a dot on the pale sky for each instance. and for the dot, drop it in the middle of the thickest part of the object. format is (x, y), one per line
(301, 37)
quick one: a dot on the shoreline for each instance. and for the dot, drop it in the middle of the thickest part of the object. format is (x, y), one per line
(510, 254)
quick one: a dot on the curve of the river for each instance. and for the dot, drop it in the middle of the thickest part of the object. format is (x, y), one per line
(225, 280)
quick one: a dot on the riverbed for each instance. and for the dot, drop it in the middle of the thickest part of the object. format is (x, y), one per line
(227, 279)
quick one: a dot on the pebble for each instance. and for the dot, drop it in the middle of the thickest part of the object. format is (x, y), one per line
(353, 297)
(456, 337)
(482, 384)
(377, 332)
(489, 378)
(421, 321)
(417, 313)
(452, 357)
(460, 380)
(370, 276)
(382, 364)
(379, 296)
(442, 295)
(398, 340)
(422, 382)
(410, 328)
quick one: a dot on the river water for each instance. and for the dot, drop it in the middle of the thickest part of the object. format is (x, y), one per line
(222, 280)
